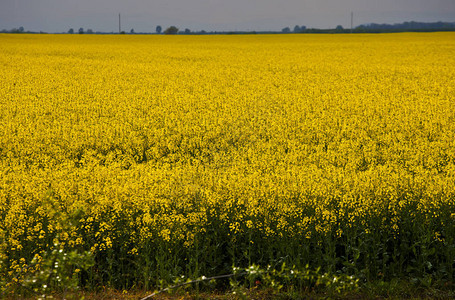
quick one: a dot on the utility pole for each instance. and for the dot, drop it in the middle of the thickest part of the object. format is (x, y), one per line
(119, 25)
(352, 19)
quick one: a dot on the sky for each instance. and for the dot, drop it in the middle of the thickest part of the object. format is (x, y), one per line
(215, 15)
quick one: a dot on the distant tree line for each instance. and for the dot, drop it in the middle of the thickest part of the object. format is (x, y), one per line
(365, 28)
(407, 26)
(379, 28)
(14, 30)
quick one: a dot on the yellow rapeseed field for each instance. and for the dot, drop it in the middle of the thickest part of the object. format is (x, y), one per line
(169, 155)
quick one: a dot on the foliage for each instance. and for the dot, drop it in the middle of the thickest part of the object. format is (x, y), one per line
(159, 157)
(285, 281)
(171, 30)
(292, 281)
(54, 271)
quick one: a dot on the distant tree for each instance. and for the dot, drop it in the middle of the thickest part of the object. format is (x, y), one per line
(171, 30)
(132, 31)
(71, 31)
(81, 30)
(360, 29)
(187, 31)
(297, 29)
(89, 31)
(339, 28)
(17, 30)
(122, 32)
(286, 30)
(158, 29)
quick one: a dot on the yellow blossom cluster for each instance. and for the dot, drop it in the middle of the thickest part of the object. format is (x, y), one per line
(176, 146)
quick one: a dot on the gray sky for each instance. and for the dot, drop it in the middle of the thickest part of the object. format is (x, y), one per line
(221, 15)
